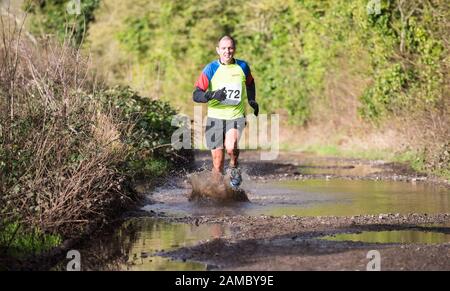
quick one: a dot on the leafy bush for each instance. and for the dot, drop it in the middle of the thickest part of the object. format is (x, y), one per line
(69, 149)
(52, 17)
(150, 152)
(386, 95)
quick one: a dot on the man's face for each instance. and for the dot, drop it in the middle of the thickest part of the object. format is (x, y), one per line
(225, 50)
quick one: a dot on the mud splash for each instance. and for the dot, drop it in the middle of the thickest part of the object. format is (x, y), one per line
(206, 187)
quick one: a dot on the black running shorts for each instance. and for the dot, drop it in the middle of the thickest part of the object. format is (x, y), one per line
(216, 129)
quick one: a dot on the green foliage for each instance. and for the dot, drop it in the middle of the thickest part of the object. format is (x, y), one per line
(19, 241)
(138, 35)
(407, 57)
(52, 17)
(156, 167)
(290, 45)
(386, 93)
(149, 140)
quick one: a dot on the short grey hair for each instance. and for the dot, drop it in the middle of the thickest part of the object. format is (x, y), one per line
(227, 37)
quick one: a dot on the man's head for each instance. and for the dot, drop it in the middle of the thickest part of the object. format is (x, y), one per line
(225, 49)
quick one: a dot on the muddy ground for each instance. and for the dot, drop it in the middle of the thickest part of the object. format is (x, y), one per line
(263, 242)
(293, 243)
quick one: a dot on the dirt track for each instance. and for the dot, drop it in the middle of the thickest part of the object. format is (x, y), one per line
(293, 243)
(255, 241)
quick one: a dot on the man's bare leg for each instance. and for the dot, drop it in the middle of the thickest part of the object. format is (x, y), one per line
(231, 145)
(234, 155)
(218, 157)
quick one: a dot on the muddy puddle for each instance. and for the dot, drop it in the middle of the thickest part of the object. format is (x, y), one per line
(138, 243)
(312, 198)
(147, 244)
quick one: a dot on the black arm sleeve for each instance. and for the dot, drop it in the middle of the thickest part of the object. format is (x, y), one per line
(200, 96)
(251, 92)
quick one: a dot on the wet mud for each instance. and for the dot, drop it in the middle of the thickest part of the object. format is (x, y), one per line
(302, 213)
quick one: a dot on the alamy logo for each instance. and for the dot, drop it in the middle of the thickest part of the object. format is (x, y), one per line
(73, 7)
(375, 261)
(75, 263)
(262, 133)
(374, 7)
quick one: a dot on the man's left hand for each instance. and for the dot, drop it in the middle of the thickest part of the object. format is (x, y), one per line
(255, 107)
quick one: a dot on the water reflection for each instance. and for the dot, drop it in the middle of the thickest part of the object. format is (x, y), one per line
(135, 244)
(349, 197)
(336, 197)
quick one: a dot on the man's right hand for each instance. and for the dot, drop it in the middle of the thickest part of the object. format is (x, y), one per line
(219, 95)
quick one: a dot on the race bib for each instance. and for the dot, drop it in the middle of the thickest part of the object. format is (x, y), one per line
(234, 93)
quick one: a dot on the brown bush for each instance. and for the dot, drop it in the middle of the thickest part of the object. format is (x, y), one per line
(60, 148)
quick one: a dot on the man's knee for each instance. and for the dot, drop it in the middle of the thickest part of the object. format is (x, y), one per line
(217, 154)
(231, 141)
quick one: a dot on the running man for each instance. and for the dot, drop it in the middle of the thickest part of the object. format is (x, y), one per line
(225, 84)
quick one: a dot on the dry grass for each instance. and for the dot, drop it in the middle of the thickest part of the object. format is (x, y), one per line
(61, 147)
